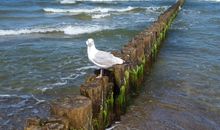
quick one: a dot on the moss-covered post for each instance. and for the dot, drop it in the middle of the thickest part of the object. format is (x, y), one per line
(100, 91)
(121, 90)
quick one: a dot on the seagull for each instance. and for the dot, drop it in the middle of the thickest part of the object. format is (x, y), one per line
(100, 58)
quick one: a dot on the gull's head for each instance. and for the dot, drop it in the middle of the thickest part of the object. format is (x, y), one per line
(90, 42)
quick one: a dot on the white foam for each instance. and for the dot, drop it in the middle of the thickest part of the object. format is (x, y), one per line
(95, 10)
(74, 1)
(156, 8)
(43, 89)
(102, 1)
(209, 0)
(97, 16)
(87, 67)
(212, 0)
(67, 1)
(6, 95)
(60, 83)
(13, 95)
(27, 31)
(71, 77)
(52, 86)
(113, 0)
(69, 30)
(82, 30)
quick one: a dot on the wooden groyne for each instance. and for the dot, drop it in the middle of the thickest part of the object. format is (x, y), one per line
(104, 100)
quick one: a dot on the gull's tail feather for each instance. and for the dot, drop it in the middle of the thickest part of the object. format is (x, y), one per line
(118, 60)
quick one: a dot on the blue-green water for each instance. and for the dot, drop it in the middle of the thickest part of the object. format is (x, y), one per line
(43, 56)
(183, 90)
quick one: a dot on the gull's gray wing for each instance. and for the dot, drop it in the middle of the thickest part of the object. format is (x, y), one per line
(104, 58)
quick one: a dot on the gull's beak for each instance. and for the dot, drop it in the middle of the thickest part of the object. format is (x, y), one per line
(90, 42)
(87, 42)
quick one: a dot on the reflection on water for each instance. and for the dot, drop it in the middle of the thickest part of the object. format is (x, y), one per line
(183, 90)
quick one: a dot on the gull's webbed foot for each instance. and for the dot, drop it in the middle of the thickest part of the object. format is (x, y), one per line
(98, 77)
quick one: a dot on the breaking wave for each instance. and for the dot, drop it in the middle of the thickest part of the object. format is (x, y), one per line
(74, 1)
(95, 10)
(99, 12)
(103, 12)
(67, 1)
(69, 30)
(212, 0)
(97, 16)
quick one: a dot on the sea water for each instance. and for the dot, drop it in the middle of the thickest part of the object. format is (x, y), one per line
(43, 52)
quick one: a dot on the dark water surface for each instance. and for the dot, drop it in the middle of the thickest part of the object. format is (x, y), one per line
(183, 90)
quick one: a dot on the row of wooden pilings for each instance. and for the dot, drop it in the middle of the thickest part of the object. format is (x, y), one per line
(104, 100)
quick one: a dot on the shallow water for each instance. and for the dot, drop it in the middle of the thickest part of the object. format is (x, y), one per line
(183, 90)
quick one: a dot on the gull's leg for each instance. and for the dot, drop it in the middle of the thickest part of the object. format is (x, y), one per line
(101, 73)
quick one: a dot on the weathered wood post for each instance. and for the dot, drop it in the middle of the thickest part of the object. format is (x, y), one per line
(100, 91)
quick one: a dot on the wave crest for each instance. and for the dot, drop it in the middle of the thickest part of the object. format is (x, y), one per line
(69, 30)
(97, 16)
(212, 0)
(95, 10)
(67, 1)
(105, 1)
